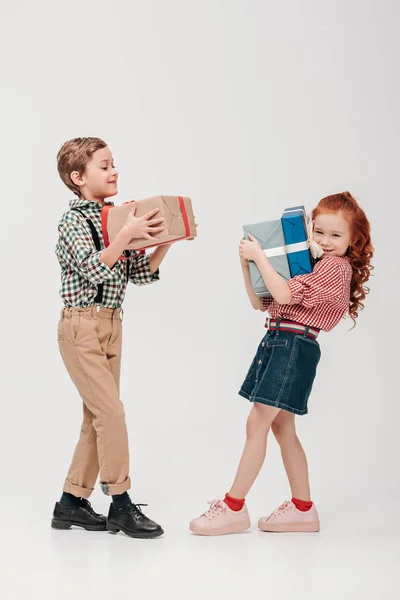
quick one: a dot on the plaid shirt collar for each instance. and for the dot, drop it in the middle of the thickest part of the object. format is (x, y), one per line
(90, 204)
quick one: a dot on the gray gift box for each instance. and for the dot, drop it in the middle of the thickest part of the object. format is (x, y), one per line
(270, 235)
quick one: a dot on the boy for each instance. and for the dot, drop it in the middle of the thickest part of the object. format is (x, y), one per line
(94, 281)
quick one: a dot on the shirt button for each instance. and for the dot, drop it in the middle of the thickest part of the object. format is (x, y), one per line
(263, 344)
(260, 362)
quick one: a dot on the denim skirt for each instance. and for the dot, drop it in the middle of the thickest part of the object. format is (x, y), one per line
(283, 371)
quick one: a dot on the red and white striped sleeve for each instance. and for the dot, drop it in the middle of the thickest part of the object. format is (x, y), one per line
(325, 284)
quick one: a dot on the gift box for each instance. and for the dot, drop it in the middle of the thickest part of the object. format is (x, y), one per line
(294, 224)
(272, 241)
(176, 211)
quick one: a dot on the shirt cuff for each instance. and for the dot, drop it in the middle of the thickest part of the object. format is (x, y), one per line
(142, 274)
(266, 303)
(297, 289)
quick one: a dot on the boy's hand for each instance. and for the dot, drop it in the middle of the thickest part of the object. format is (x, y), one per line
(192, 238)
(250, 250)
(142, 227)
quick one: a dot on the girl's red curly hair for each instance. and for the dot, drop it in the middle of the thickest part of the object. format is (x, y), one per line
(360, 251)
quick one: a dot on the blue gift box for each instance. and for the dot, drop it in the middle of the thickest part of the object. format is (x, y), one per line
(295, 231)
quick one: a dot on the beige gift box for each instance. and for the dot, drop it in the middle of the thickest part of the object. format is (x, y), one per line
(176, 211)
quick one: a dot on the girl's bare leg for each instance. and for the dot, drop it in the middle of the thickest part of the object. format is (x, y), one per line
(258, 425)
(293, 456)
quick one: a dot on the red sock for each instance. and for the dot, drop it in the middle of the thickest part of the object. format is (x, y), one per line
(234, 503)
(302, 505)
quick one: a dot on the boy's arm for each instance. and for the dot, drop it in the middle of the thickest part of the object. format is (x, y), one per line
(75, 243)
(145, 267)
(135, 227)
(158, 256)
(75, 246)
(110, 255)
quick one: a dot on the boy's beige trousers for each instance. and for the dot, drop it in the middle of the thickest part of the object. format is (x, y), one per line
(90, 346)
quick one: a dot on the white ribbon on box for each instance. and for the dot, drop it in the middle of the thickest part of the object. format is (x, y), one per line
(310, 244)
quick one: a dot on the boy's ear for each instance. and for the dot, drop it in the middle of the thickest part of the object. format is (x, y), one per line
(76, 178)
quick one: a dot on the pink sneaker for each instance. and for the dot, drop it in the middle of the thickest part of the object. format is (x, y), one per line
(288, 518)
(220, 519)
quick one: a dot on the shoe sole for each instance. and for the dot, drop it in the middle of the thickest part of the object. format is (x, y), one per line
(290, 527)
(221, 530)
(58, 524)
(146, 536)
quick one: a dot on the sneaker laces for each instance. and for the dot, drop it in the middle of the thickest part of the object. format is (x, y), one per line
(283, 508)
(216, 508)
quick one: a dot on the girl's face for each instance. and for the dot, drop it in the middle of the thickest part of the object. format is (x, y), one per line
(332, 233)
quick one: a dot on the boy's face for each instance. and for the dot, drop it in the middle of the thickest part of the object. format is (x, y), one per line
(332, 233)
(99, 181)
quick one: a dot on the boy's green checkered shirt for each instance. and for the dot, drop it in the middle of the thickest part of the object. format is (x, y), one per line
(81, 268)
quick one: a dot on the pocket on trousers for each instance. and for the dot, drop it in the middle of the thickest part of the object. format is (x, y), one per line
(308, 340)
(60, 330)
(277, 342)
(75, 325)
(85, 331)
(69, 328)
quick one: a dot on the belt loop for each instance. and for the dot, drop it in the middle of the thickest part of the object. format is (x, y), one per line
(278, 321)
(306, 330)
(121, 314)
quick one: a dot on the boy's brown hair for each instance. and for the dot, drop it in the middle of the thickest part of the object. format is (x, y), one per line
(74, 156)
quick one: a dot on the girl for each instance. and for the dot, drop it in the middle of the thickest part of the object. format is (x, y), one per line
(281, 375)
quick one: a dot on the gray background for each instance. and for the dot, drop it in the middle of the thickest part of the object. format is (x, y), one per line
(247, 107)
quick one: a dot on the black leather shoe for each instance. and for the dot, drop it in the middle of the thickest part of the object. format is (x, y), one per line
(82, 515)
(133, 522)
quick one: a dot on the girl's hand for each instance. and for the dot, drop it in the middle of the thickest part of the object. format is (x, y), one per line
(250, 249)
(243, 261)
